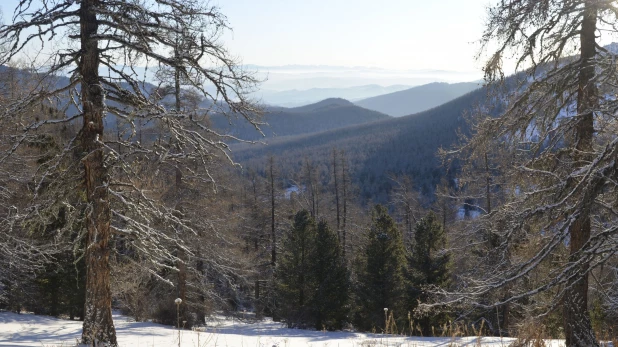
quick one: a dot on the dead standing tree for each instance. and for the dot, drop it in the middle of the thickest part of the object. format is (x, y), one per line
(82, 39)
(563, 157)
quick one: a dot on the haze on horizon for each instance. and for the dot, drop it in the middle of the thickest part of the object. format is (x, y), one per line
(341, 44)
(300, 45)
(399, 34)
(296, 44)
(396, 38)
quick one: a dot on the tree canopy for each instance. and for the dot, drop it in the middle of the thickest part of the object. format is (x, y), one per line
(557, 134)
(98, 177)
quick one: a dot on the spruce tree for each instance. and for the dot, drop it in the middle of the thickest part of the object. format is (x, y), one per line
(295, 285)
(330, 302)
(60, 287)
(429, 266)
(381, 278)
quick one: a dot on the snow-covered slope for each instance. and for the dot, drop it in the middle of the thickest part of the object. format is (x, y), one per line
(31, 330)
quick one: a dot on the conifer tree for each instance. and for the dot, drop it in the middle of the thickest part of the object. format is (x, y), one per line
(429, 266)
(295, 285)
(330, 301)
(381, 278)
(60, 288)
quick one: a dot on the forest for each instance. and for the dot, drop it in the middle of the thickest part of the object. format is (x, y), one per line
(494, 213)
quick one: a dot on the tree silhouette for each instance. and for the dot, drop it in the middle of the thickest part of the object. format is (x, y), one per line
(99, 44)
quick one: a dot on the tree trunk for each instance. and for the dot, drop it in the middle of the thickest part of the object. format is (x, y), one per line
(177, 88)
(182, 290)
(408, 219)
(487, 186)
(98, 325)
(199, 267)
(337, 195)
(503, 316)
(273, 233)
(577, 326)
(345, 204)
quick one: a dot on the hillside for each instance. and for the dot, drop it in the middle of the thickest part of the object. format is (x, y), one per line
(417, 99)
(322, 116)
(404, 145)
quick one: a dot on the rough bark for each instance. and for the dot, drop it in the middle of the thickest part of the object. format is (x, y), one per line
(577, 326)
(98, 325)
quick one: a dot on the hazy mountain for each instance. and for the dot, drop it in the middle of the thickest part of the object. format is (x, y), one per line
(417, 99)
(291, 98)
(304, 77)
(322, 116)
(321, 105)
(404, 145)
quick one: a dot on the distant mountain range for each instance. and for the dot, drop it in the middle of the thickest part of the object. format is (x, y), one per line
(417, 99)
(304, 77)
(325, 115)
(375, 150)
(291, 98)
(376, 145)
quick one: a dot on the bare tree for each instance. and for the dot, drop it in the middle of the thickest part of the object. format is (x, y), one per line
(336, 188)
(344, 197)
(273, 230)
(313, 187)
(403, 197)
(562, 161)
(115, 37)
(24, 248)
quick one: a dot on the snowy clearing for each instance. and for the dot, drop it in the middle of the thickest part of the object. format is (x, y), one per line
(31, 330)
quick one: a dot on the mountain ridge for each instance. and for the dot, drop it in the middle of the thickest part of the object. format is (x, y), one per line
(378, 150)
(417, 99)
(325, 115)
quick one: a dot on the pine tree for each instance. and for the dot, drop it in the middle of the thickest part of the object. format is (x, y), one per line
(60, 288)
(295, 285)
(381, 278)
(429, 266)
(330, 301)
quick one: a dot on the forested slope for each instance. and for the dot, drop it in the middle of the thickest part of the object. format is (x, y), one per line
(417, 99)
(322, 116)
(405, 145)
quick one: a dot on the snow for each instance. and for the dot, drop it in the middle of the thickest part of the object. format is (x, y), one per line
(293, 189)
(32, 330)
(472, 213)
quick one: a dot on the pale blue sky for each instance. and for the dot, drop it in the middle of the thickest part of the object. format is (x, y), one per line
(392, 34)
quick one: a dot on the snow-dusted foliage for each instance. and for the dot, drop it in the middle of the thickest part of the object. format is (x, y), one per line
(548, 165)
(122, 188)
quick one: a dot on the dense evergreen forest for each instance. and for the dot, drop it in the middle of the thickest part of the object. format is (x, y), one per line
(492, 214)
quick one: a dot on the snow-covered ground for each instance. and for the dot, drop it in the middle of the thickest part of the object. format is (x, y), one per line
(31, 330)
